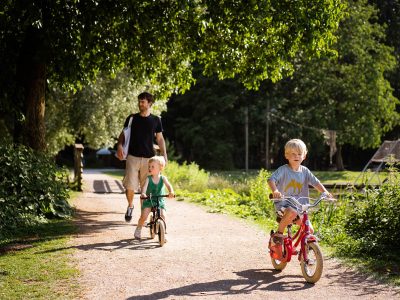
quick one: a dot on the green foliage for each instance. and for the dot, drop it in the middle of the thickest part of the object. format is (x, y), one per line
(363, 224)
(259, 194)
(31, 187)
(236, 180)
(96, 113)
(350, 93)
(155, 41)
(375, 221)
(252, 205)
(186, 176)
(204, 118)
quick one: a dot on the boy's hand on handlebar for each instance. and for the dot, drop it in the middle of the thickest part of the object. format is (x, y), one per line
(277, 194)
(171, 195)
(328, 196)
(143, 196)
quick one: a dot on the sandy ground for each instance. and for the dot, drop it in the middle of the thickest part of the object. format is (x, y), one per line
(207, 256)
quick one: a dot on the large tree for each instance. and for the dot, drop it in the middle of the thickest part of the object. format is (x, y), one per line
(70, 41)
(350, 93)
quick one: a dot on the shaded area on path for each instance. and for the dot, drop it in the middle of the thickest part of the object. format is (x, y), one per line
(95, 182)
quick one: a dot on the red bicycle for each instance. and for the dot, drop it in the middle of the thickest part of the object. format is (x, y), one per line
(309, 254)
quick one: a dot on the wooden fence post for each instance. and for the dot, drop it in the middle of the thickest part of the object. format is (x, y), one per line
(78, 165)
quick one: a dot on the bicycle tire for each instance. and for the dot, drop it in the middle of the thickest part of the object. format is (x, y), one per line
(312, 270)
(152, 228)
(278, 265)
(161, 232)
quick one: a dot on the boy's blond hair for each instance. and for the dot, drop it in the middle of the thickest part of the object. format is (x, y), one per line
(296, 144)
(158, 159)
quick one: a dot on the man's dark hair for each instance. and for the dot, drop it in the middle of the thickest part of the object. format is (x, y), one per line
(146, 96)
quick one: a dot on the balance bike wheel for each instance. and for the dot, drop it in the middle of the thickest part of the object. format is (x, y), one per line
(152, 228)
(161, 232)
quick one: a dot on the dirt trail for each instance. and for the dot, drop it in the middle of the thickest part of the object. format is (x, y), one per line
(207, 256)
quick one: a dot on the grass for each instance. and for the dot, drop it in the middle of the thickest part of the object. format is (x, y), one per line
(36, 263)
(349, 177)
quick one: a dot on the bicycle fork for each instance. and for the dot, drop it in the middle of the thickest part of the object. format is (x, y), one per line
(306, 239)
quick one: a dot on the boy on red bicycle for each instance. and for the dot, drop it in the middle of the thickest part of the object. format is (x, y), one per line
(291, 179)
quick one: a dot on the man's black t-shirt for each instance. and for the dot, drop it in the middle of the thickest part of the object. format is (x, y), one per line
(143, 132)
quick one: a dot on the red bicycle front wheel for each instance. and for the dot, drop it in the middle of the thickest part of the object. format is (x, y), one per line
(312, 268)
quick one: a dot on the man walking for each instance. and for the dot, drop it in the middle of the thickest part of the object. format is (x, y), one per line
(145, 127)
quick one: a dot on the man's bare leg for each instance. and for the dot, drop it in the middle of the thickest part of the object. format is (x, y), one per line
(129, 197)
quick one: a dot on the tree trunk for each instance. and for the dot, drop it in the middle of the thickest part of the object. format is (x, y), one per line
(34, 133)
(32, 79)
(339, 158)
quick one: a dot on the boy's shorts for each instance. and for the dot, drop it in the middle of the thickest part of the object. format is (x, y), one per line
(136, 172)
(281, 206)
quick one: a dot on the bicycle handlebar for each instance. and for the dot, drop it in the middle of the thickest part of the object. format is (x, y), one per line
(297, 205)
(156, 196)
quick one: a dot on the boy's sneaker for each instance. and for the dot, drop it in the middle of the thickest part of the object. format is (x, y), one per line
(275, 246)
(128, 214)
(277, 239)
(138, 233)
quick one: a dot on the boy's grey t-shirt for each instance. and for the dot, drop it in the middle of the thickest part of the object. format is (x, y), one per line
(294, 183)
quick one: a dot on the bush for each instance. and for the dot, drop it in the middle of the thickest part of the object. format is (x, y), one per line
(375, 220)
(253, 204)
(363, 224)
(259, 195)
(31, 187)
(186, 177)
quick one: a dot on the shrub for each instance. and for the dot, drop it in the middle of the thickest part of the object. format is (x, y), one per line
(363, 224)
(375, 220)
(254, 204)
(186, 177)
(259, 195)
(31, 186)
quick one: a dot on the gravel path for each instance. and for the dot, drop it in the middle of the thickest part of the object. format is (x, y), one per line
(207, 256)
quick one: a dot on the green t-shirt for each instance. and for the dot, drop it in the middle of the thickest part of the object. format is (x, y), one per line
(155, 190)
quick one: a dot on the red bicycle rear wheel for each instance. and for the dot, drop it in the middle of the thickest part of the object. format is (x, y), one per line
(278, 264)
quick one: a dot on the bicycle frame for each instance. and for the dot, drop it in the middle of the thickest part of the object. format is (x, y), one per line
(156, 210)
(303, 236)
(309, 255)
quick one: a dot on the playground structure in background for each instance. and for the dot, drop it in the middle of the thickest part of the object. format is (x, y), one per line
(388, 152)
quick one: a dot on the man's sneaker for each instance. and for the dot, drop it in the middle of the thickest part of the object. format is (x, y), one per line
(128, 214)
(138, 233)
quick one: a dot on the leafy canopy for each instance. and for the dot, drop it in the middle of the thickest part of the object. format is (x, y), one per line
(158, 40)
(350, 93)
